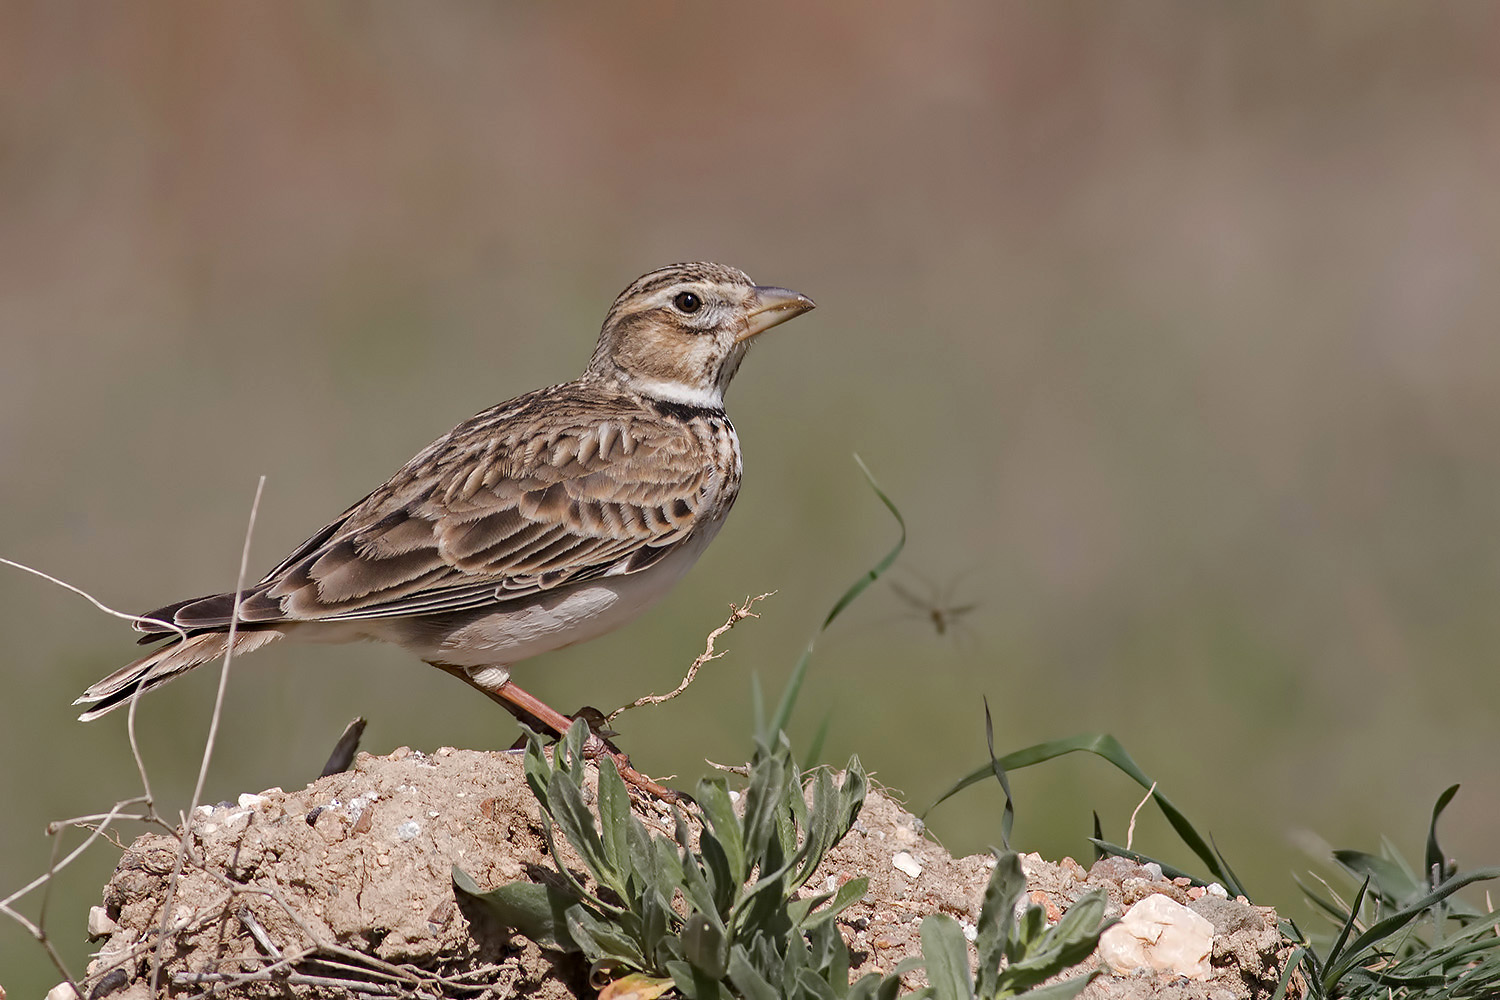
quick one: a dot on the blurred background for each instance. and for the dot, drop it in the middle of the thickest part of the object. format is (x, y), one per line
(1170, 328)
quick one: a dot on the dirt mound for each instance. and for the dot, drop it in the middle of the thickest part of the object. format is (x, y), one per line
(345, 888)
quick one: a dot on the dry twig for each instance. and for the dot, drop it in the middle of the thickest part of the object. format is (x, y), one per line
(208, 743)
(99, 824)
(1130, 830)
(736, 615)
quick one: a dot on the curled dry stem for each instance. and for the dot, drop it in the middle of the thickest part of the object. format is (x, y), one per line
(737, 614)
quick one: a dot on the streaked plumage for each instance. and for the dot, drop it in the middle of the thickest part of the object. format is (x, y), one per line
(538, 523)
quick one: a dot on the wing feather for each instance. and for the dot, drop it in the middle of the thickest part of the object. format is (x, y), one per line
(559, 486)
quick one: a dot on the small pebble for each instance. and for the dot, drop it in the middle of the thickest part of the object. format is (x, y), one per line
(409, 829)
(99, 922)
(249, 801)
(906, 864)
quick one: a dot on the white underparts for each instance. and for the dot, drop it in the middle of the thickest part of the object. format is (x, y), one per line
(489, 678)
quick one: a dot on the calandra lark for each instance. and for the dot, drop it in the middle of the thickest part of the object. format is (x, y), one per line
(539, 523)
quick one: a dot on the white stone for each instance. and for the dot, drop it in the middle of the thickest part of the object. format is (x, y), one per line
(62, 991)
(1215, 889)
(99, 922)
(249, 801)
(1161, 935)
(906, 864)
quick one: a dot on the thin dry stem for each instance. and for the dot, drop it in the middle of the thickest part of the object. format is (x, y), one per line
(208, 743)
(135, 752)
(164, 626)
(397, 979)
(259, 933)
(38, 929)
(1130, 830)
(736, 615)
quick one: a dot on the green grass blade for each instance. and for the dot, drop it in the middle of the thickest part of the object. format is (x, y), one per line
(1435, 858)
(1105, 849)
(788, 700)
(1382, 929)
(1392, 883)
(1295, 959)
(1331, 974)
(815, 748)
(1008, 815)
(1106, 746)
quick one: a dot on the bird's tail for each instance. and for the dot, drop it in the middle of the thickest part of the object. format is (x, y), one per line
(163, 664)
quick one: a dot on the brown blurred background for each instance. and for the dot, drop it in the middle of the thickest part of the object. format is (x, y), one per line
(1169, 326)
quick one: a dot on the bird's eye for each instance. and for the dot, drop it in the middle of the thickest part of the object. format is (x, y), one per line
(687, 302)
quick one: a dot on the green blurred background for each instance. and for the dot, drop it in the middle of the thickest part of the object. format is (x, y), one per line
(1169, 326)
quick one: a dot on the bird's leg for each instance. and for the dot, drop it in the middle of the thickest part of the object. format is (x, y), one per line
(532, 711)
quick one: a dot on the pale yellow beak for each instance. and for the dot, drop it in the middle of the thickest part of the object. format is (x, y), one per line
(772, 307)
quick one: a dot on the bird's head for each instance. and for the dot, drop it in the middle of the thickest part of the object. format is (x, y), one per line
(679, 333)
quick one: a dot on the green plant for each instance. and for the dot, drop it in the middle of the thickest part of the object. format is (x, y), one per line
(1405, 934)
(740, 928)
(723, 918)
(1032, 952)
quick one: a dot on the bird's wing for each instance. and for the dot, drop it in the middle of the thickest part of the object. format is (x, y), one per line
(515, 501)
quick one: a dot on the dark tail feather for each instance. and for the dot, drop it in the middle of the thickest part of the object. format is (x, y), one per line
(196, 613)
(161, 665)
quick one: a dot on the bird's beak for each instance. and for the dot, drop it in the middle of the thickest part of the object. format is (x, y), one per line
(771, 307)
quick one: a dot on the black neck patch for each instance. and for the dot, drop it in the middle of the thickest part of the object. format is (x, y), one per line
(685, 411)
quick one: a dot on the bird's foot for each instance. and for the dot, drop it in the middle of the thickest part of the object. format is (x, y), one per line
(598, 744)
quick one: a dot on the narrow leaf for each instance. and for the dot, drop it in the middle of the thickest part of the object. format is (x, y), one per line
(751, 984)
(1106, 746)
(788, 700)
(946, 957)
(1436, 860)
(537, 911)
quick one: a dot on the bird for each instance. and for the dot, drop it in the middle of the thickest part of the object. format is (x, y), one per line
(541, 522)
